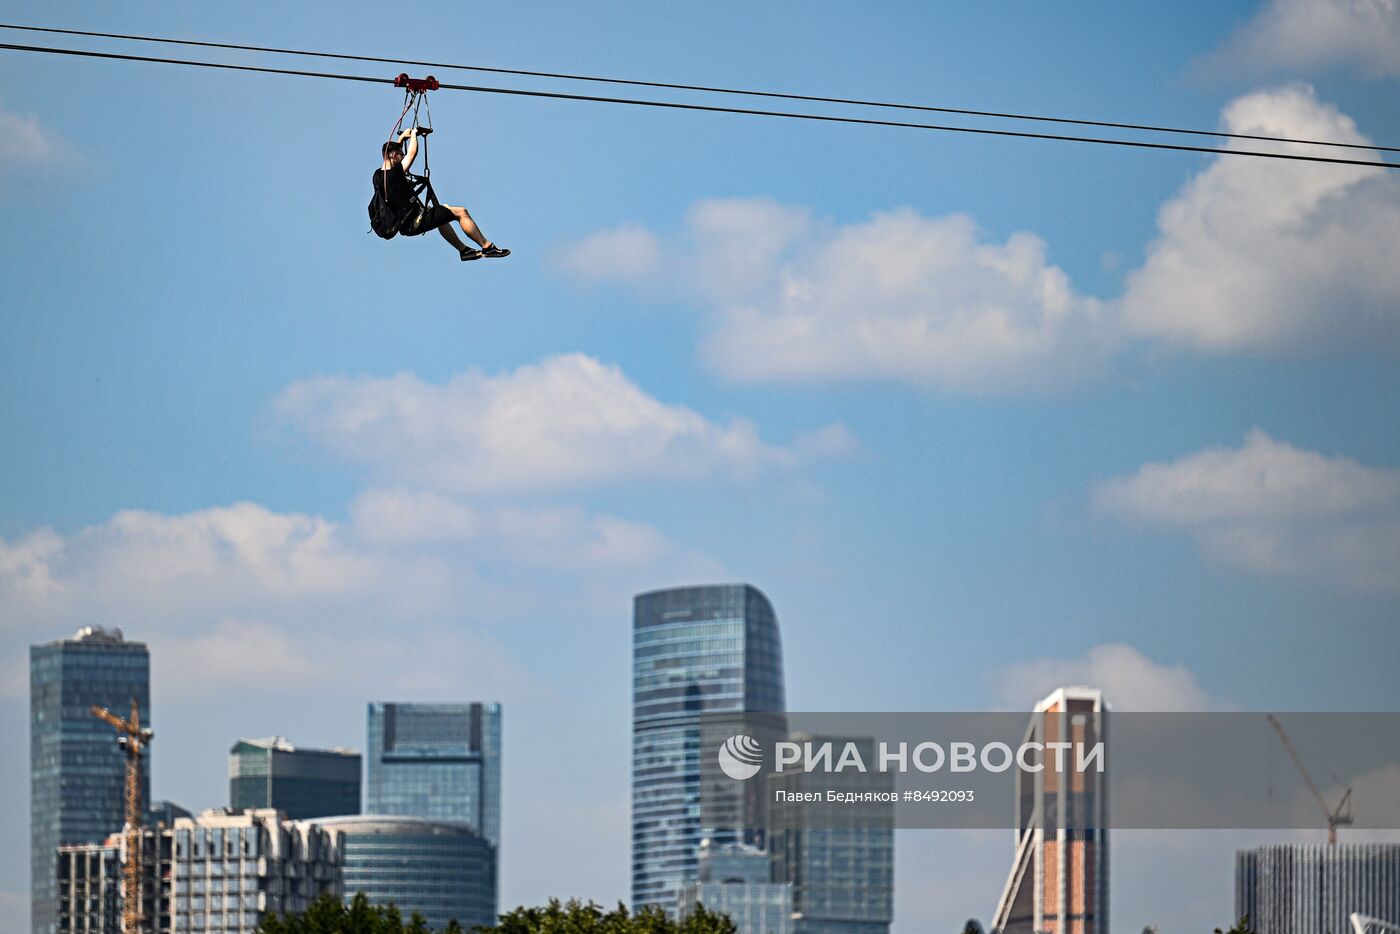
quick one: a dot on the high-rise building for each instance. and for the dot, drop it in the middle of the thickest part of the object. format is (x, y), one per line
(695, 651)
(439, 869)
(437, 761)
(839, 857)
(1291, 889)
(222, 872)
(736, 879)
(77, 772)
(301, 783)
(1059, 879)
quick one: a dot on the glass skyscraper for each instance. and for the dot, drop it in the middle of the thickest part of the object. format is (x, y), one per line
(77, 772)
(436, 761)
(695, 651)
(838, 857)
(301, 783)
(442, 870)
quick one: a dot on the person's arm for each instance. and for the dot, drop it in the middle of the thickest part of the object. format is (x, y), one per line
(411, 153)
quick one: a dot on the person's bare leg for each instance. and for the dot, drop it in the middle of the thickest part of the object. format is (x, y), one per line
(468, 225)
(451, 237)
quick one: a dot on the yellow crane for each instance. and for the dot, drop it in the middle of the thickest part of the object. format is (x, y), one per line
(133, 740)
(1336, 817)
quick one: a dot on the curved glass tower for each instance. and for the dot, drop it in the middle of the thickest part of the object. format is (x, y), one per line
(695, 650)
(443, 870)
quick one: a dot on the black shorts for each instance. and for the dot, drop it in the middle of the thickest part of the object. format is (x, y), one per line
(431, 219)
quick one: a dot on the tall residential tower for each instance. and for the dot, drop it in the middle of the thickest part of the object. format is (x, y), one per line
(77, 773)
(1059, 880)
(695, 650)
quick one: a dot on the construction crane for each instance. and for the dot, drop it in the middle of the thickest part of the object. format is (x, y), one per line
(1336, 817)
(133, 740)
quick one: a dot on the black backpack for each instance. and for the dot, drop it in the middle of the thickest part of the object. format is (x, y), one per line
(381, 220)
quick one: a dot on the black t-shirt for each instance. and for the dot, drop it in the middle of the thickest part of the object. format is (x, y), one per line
(399, 190)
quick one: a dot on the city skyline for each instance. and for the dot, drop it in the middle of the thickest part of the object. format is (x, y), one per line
(1085, 884)
(982, 416)
(432, 797)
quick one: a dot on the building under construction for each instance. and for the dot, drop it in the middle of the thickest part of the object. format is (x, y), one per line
(222, 872)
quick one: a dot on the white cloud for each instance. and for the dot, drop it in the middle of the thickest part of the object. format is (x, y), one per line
(626, 253)
(899, 296)
(401, 517)
(26, 142)
(831, 441)
(1129, 681)
(1306, 34)
(24, 566)
(223, 654)
(533, 536)
(1250, 256)
(537, 536)
(568, 421)
(726, 250)
(142, 565)
(1278, 256)
(233, 654)
(1273, 508)
(914, 299)
(242, 595)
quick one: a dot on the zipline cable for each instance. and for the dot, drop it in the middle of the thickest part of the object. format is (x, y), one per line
(927, 108)
(674, 105)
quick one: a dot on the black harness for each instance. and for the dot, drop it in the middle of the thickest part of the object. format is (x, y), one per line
(424, 198)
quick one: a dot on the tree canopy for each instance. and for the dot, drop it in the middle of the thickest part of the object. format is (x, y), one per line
(328, 915)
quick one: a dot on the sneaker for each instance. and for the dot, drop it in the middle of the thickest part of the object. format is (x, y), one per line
(470, 254)
(493, 251)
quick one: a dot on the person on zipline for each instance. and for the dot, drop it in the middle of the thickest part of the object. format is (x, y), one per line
(397, 188)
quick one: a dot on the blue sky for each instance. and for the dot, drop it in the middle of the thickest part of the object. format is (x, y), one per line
(978, 415)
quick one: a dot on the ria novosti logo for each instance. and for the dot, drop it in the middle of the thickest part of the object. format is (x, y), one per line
(741, 757)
